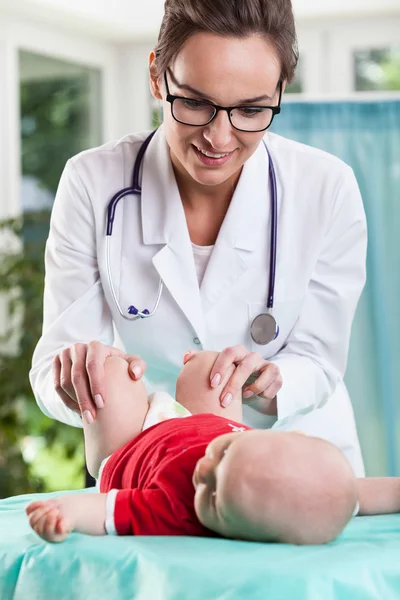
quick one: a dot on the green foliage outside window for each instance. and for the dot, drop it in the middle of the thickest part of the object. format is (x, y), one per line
(377, 70)
(37, 453)
(59, 462)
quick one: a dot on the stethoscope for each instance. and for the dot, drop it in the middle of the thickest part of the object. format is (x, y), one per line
(264, 328)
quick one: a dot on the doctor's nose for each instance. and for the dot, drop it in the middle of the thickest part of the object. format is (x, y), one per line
(218, 133)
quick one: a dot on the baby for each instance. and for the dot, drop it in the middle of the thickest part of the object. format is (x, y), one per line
(207, 473)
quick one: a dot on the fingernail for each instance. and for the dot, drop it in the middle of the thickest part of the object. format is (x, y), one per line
(226, 400)
(98, 400)
(186, 355)
(248, 394)
(88, 417)
(216, 380)
(137, 371)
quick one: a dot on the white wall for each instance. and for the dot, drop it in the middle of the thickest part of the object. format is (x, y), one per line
(118, 20)
(315, 9)
(327, 45)
(135, 19)
(17, 34)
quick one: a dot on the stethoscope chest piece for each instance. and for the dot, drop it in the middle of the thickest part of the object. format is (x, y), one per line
(264, 329)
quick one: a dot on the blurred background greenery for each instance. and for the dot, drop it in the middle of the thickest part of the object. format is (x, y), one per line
(37, 453)
(51, 456)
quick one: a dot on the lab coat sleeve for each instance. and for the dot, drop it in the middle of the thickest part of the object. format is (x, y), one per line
(314, 357)
(74, 305)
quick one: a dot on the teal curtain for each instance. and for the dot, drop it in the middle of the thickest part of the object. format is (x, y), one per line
(366, 135)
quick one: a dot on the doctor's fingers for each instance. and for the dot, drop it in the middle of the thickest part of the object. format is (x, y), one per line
(249, 364)
(232, 355)
(57, 378)
(80, 379)
(95, 357)
(267, 384)
(137, 366)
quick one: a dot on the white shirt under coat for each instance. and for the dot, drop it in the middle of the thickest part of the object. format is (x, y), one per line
(320, 274)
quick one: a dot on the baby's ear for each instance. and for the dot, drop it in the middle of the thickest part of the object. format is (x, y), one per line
(188, 356)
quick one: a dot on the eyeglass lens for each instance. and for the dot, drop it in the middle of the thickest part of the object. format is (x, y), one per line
(195, 112)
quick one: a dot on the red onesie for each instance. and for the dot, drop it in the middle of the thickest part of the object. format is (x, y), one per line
(154, 475)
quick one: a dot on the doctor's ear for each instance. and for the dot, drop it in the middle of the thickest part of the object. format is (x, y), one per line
(155, 78)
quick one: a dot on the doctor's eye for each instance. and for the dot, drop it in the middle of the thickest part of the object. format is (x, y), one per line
(251, 111)
(194, 104)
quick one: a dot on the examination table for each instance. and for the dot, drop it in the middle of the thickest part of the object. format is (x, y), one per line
(363, 564)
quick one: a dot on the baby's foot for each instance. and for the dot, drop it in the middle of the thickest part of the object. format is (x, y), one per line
(49, 519)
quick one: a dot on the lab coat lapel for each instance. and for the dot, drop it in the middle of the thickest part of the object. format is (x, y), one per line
(164, 222)
(239, 233)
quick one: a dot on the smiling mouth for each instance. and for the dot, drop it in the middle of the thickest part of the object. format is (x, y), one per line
(212, 154)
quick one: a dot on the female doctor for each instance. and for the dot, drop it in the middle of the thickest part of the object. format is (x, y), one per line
(239, 241)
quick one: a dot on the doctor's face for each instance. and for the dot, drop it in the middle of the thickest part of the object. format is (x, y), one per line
(228, 72)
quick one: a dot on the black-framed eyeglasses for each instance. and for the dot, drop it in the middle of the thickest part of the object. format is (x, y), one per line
(198, 113)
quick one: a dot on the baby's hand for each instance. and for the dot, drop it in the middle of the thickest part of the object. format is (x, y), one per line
(48, 520)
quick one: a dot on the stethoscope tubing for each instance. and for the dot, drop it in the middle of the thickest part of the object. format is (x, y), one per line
(274, 231)
(135, 189)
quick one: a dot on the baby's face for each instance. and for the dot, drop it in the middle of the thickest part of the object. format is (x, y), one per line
(207, 482)
(220, 482)
(273, 486)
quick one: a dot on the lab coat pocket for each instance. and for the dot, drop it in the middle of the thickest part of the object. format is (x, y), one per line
(286, 314)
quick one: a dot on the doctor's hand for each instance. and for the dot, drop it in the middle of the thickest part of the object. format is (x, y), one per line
(258, 379)
(79, 379)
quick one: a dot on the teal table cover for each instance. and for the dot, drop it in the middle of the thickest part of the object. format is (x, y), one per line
(363, 564)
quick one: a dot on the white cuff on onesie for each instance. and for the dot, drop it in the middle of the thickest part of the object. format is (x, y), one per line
(109, 523)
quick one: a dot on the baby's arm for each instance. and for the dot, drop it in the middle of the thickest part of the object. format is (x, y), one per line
(136, 512)
(54, 519)
(379, 495)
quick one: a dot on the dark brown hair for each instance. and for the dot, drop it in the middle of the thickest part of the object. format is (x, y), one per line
(273, 19)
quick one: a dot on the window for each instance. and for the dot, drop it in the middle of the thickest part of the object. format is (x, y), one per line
(377, 69)
(60, 116)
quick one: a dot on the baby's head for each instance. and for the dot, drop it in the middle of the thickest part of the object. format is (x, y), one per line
(273, 486)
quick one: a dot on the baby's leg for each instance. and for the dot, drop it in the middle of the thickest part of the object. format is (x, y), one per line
(194, 392)
(120, 420)
(122, 417)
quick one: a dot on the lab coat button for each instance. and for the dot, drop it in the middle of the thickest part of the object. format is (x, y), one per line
(196, 340)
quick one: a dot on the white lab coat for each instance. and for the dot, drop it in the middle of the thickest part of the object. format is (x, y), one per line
(320, 274)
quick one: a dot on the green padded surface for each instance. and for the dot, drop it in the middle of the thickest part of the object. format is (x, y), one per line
(364, 564)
